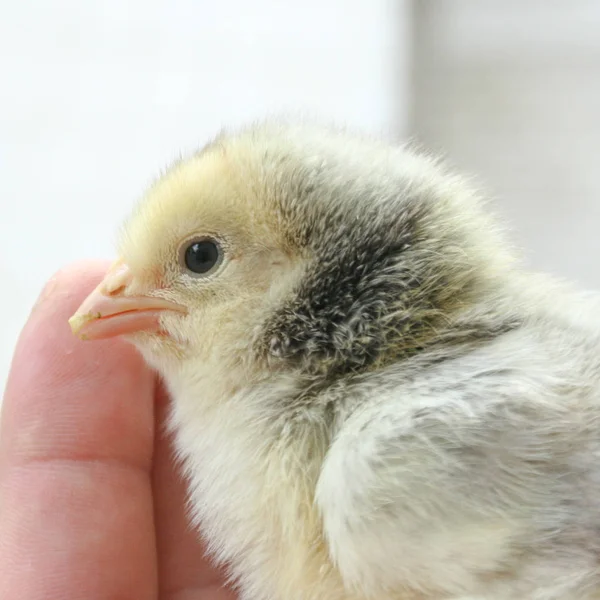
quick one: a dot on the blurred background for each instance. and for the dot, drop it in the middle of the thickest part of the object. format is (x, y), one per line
(96, 97)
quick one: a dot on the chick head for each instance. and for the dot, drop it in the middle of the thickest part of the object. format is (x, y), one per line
(286, 246)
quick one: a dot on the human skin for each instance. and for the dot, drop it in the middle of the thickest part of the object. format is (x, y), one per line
(91, 505)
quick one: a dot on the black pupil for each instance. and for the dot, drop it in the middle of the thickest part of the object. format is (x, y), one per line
(201, 257)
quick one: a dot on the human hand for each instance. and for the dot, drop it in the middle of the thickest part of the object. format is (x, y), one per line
(91, 506)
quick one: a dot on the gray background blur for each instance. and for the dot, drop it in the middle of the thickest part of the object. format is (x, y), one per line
(98, 96)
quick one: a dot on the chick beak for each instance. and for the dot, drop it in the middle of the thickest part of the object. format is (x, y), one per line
(109, 312)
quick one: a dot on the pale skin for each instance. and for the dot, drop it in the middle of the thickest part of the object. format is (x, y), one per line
(91, 505)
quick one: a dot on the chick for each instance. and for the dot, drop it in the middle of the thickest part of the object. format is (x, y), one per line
(371, 398)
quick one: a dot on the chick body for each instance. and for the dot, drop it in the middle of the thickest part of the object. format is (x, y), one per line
(371, 398)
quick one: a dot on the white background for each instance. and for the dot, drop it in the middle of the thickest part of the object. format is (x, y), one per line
(97, 96)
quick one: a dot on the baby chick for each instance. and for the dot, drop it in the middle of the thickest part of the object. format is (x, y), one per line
(372, 399)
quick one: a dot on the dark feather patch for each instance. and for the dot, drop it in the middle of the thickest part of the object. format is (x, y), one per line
(388, 264)
(364, 292)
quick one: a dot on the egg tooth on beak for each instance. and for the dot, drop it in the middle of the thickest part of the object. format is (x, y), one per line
(109, 312)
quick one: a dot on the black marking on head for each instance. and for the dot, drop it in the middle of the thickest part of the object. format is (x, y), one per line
(370, 292)
(389, 260)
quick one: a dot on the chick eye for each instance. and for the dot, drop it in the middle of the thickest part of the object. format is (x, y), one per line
(202, 256)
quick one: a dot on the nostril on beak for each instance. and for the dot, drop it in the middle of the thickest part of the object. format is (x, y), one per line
(115, 291)
(117, 280)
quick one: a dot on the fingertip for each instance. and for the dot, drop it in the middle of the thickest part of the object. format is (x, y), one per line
(76, 445)
(73, 397)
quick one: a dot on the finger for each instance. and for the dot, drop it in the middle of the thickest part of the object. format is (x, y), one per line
(76, 437)
(184, 571)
